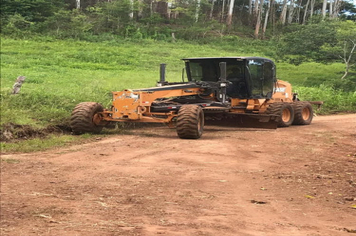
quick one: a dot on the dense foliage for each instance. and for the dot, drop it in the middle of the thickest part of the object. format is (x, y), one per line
(159, 19)
(324, 43)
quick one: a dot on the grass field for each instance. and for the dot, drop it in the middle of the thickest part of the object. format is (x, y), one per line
(60, 74)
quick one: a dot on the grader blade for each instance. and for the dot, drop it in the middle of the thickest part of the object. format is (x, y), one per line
(246, 121)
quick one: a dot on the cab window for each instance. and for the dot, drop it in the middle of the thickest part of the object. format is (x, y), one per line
(256, 76)
(268, 79)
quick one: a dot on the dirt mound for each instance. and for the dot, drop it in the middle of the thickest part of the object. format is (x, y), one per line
(11, 131)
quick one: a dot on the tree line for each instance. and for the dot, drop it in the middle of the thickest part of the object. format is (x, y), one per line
(258, 18)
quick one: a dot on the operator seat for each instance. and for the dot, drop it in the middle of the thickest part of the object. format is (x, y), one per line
(237, 87)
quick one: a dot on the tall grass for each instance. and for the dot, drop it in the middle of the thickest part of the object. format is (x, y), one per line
(62, 73)
(334, 100)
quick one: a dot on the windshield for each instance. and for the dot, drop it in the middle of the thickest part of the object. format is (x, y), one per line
(262, 78)
(209, 70)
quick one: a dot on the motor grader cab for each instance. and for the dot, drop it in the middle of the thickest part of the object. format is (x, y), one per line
(248, 78)
(226, 91)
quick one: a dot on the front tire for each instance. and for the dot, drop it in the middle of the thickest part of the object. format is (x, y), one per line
(284, 111)
(82, 118)
(303, 113)
(190, 122)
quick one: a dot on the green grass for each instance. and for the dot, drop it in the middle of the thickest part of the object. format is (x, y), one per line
(39, 144)
(310, 74)
(62, 73)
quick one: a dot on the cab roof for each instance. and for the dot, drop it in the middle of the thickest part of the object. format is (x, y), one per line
(220, 58)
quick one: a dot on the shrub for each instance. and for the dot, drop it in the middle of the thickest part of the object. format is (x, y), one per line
(334, 100)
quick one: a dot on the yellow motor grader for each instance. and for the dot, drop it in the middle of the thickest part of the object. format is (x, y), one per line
(239, 91)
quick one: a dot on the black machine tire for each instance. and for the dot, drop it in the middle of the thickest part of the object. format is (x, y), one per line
(190, 122)
(284, 111)
(82, 118)
(303, 113)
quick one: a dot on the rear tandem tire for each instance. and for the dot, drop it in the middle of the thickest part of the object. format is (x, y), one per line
(303, 113)
(284, 111)
(190, 122)
(82, 118)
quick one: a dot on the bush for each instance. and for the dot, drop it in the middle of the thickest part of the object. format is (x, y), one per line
(64, 24)
(334, 100)
(17, 26)
(111, 16)
(302, 43)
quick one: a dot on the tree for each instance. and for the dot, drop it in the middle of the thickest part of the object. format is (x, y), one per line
(345, 46)
(291, 11)
(283, 16)
(197, 10)
(323, 10)
(68, 24)
(211, 10)
(305, 12)
(258, 20)
(323, 42)
(302, 43)
(266, 18)
(312, 4)
(32, 10)
(229, 14)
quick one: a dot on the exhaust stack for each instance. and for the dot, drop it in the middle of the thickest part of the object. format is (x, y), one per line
(162, 75)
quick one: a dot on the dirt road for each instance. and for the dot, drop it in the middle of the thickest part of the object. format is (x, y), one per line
(299, 180)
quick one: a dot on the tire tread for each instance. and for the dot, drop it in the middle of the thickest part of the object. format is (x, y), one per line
(188, 122)
(298, 116)
(277, 110)
(82, 118)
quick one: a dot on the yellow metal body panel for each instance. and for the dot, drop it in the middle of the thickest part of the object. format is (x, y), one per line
(283, 92)
(248, 105)
(135, 105)
(126, 104)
